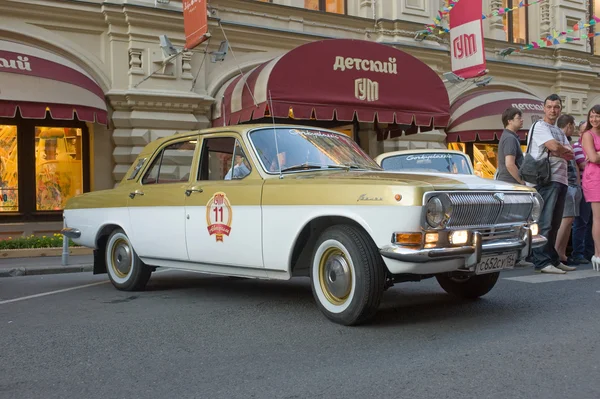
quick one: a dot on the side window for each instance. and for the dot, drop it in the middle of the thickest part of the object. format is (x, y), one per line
(223, 159)
(172, 165)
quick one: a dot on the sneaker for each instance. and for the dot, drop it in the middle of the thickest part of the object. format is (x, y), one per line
(553, 270)
(565, 268)
(524, 263)
(579, 261)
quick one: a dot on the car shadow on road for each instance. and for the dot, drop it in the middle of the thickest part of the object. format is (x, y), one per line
(401, 305)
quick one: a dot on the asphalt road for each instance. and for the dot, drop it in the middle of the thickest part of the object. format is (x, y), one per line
(196, 336)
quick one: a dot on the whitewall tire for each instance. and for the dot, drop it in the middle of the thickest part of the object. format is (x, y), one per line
(347, 275)
(125, 269)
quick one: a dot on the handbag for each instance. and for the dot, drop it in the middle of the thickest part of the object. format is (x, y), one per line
(535, 170)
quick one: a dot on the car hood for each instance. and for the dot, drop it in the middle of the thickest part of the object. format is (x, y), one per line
(437, 181)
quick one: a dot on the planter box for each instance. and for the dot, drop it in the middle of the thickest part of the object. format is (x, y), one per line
(39, 252)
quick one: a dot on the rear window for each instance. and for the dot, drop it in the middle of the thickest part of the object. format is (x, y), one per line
(428, 162)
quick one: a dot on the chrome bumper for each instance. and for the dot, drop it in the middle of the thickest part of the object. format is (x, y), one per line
(71, 232)
(470, 253)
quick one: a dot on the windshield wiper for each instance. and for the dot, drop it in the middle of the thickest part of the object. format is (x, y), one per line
(303, 166)
(312, 166)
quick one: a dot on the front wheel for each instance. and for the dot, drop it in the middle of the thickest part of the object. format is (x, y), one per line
(125, 269)
(468, 287)
(347, 275)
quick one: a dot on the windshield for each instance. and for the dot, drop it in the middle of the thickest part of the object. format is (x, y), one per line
(307, 149)
(428, 162)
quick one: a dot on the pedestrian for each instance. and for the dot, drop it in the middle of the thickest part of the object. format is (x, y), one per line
(547, 140)
(510, 154)
(591, 177)
(573, 198)
(581, 237)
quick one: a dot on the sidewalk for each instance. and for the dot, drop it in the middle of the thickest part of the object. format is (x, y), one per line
(45, 265)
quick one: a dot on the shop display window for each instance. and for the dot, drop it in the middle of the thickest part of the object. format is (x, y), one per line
(58, 166)
(9, 169)
(457, 147)
(515, 23)
(334, 6)
(595, 41)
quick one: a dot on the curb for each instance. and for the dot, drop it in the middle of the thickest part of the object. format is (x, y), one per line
(36, 271)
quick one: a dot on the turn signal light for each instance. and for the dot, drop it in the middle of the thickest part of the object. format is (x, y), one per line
(459, 237)
(408, 239)
(535, 230)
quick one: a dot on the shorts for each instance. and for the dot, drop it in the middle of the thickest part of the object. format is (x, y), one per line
(572, 202)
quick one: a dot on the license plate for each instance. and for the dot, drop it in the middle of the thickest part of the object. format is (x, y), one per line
(490, 264)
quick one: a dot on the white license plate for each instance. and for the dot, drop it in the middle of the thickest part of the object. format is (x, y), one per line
(490, 264)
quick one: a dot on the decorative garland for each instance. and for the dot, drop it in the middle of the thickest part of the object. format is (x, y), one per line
(437, 21)
(555, 38)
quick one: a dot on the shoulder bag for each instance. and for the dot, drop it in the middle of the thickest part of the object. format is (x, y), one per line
(535, 171)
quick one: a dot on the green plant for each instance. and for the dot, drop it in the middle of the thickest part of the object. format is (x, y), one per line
(54, 241)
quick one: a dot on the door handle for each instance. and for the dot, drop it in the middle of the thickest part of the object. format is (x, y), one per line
(193, 189)
(136, 192)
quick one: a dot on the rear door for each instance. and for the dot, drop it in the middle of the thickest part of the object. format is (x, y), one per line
(156, 204)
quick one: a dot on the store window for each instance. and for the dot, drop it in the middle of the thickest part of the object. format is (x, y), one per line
(515, 22)
(9, 169)
(58, 166)
(42, 165)
(595, 41)
(483, 155)
(334, 6)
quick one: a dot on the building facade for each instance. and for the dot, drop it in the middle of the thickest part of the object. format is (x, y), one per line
(84, 85)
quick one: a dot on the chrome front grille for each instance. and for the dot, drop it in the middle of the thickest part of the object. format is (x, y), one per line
(485, 209)
(500, 233)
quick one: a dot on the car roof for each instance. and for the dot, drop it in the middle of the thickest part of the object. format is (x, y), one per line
(152, 146)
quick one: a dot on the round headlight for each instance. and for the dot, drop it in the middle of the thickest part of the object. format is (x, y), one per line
(536, 210)
(435, 212)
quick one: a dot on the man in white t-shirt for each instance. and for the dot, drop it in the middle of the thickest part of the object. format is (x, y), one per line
(547, 137)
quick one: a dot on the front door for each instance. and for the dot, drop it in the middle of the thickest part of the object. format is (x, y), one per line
(156, 204)
(222, 207)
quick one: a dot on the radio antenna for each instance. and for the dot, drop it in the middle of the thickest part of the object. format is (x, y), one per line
(275, 135)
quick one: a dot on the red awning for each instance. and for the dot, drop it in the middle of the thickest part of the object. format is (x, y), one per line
(337, 79)
(477, 116)
(35, 81)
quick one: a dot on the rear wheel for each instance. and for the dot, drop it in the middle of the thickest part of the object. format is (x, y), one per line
(347, 275)
(125, 269)
(469, 287)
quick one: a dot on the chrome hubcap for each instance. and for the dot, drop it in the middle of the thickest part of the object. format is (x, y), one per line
(335, 276)
(121, 258)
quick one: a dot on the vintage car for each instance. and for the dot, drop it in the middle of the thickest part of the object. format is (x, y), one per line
(426, 160)
(279, 201)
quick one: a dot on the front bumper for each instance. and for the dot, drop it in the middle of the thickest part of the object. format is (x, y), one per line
(470, 253)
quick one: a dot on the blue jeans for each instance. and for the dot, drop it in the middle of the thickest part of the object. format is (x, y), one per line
(554, 203)
(583, 243)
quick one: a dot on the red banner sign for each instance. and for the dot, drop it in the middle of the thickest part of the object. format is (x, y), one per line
(466, 39)
(195, 22)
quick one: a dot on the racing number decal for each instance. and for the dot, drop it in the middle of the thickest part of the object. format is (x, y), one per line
(219, 216)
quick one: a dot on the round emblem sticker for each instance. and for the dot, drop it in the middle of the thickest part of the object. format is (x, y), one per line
(218, 216)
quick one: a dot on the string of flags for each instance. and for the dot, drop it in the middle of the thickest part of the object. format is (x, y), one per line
(557, 37)
(437, 21)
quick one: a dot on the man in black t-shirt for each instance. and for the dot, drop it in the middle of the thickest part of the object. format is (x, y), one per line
(510, 155)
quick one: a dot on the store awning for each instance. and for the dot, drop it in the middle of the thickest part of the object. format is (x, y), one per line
(477, 116)
(34, 81)
(337, 79)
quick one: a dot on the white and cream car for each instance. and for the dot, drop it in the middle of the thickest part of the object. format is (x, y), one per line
(279, 201)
